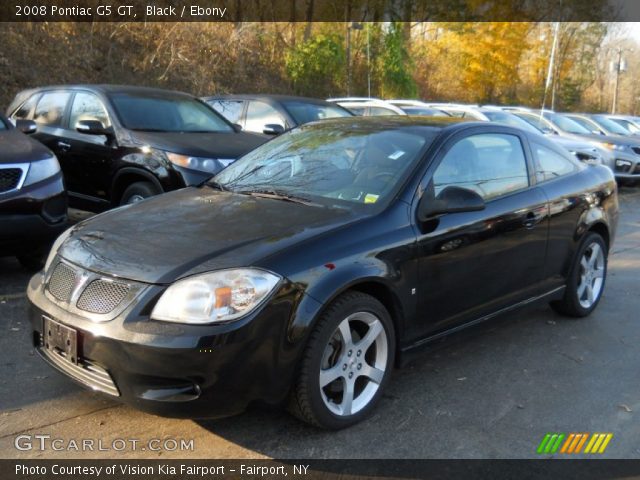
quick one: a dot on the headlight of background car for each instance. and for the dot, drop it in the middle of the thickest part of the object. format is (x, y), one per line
(215, 297)
(613, 146)
(56, 246)
(41, 170)
(208, 165)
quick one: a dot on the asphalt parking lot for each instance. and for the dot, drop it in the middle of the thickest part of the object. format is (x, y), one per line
(490, 393)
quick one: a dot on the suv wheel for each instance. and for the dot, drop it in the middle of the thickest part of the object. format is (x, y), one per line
(587, 278)
(346, 364)
(137, 192)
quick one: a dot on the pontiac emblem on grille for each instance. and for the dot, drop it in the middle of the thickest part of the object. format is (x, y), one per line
(78, 288)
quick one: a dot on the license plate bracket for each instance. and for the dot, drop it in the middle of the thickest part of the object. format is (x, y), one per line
(60, 340)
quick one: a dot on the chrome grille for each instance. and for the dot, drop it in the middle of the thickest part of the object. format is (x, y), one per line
(62, 282)
(102, 296)
(9, 178)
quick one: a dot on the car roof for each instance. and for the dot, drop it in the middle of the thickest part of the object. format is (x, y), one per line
(110, 89)
(399, 121)
(267, 97)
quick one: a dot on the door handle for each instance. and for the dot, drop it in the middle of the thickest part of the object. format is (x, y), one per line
(64, 146)
(531, 220)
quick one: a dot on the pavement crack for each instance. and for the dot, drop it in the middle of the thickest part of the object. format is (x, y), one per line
(2, 437)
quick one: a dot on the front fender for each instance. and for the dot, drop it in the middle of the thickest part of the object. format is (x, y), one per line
(373, 274)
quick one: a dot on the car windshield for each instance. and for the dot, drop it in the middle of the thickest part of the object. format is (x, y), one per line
(430, 112)
(343, 165)
(305, 112)
(510, 119)
(590, 125)
(166, 113)
(610, 125)
(566, 124)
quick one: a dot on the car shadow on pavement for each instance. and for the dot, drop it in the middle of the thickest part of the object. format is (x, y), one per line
(452, 385)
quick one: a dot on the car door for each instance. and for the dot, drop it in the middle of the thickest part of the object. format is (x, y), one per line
(474, 263)
(50, 115)
(88, 158)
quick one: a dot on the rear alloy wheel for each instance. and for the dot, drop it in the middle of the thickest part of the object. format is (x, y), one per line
(586, 284)
(347, 363)
(136, 192)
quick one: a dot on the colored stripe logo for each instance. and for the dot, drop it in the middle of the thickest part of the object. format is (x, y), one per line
(573, 443)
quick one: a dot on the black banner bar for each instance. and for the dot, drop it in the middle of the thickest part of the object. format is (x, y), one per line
(547, 469)
(317, 10)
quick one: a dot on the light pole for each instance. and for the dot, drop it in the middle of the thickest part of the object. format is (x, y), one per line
(350, 26)
(619, 67)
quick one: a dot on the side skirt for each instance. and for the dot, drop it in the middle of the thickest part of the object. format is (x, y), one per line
(556, 293)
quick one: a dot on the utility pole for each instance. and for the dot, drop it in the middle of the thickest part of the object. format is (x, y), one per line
(619, 67)
(350, 26)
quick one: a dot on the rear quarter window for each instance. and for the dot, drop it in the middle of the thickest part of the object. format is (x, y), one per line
(551, 164)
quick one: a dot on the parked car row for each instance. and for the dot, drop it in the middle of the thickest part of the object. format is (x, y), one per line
(612, 140)
(304, 272)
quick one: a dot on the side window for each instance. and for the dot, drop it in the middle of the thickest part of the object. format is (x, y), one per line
(490, 164)
(25, 112)
(380, 111)
(260, 114)
(229, 109)
(550, 164)
(51, 107)
(87, 106)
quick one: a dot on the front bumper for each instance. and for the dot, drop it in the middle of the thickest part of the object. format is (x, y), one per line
(625, 166)
(32, 216)
(173, 369)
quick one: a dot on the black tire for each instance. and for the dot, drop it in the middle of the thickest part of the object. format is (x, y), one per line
(570, 304)
(307, 398)
(138, 191)
(33, 262)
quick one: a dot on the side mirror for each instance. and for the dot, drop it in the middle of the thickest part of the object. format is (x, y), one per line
(26, 126)
(272, 129)
(450, 200)
(237, 127)
(93, 127)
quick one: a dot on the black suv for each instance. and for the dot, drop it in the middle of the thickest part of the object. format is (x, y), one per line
(273, 114)
(33, 202)
(119, 144)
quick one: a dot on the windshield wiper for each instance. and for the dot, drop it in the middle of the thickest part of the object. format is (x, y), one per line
(277, 195)
(217, 185)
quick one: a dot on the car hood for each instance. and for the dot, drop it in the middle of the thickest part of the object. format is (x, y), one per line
(193, 230)
(576, 145)
(230, 145)
(615, 139)
(16, 147)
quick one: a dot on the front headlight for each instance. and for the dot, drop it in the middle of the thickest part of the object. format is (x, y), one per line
(41, 170)
(56, 246)
(612, 146)
(215, 297)
(208, 165)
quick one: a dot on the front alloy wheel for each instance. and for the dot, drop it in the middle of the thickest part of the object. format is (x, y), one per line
(346, 364)
(354, 364)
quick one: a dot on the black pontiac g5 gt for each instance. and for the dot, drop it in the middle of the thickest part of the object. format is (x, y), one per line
(308, 268)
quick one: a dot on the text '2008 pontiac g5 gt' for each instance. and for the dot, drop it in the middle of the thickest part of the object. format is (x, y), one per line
(305, 270)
